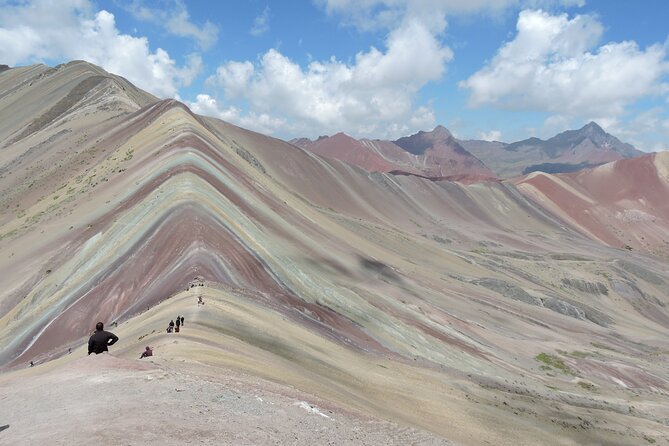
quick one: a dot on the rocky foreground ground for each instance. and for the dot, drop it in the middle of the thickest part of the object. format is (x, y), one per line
(109, 400)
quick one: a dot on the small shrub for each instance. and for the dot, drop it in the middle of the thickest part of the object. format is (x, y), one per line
(555, 362)
(587, 386)
(602, 346)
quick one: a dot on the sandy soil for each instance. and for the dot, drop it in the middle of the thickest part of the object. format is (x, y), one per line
(108, 400)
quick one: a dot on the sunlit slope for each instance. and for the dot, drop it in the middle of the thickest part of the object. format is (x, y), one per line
(185, 204)
(51, 125)
(623, 204)
(317, 271)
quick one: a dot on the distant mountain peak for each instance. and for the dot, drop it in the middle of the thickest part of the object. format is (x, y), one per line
(592, 128)
(341, 136)
(593, 125)
(439, 143)
(419, 142)
(441, 131)
(432, 154)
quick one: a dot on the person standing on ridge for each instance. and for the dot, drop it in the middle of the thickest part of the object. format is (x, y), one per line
(176, 329)
(100, 340)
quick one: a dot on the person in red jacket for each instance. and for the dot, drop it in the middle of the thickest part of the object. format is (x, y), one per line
(100, 340)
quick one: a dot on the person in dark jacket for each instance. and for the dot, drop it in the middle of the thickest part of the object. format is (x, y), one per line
(100, 340)
(146, 353)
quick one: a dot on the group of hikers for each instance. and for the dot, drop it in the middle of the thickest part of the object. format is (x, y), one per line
(172, 327)
(100, 340)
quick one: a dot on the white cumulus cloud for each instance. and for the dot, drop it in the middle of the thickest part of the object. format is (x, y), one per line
(260, 122)
(36, 31)
(370, 96)
(373, 14)
(554, 64)
(492, 135)
(261, 23)
(174, 18)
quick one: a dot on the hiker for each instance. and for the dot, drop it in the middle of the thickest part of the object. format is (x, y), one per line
(176, 329)
(169, 329)
(32, 364)
(146, 353)
(200, 301)
(100, 340)
(182, 321)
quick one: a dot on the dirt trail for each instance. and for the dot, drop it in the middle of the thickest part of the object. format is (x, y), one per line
(108, 400)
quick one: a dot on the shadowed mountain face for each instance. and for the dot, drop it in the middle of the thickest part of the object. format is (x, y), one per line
(434, 154)
(491, 312)
(566, 152)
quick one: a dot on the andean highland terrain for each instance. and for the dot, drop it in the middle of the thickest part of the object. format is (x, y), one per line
(342, 306)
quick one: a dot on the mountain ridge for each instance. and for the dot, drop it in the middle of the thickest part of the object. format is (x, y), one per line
(430, 151)
(434, 154)
(567, 151)
(396, 298)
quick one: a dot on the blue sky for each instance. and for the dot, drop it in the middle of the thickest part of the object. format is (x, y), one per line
(489, 69)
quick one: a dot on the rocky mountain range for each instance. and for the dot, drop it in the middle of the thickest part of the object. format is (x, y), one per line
(341, 305)
(437, 154)
(568, 151)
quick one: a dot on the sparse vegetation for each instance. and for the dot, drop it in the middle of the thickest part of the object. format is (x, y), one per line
(602, 346)
(660, 352)
(442, 240)
(649, 439)
(587, 386)
(554, 362)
